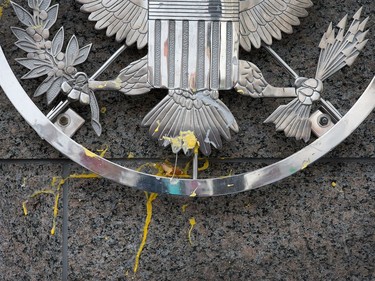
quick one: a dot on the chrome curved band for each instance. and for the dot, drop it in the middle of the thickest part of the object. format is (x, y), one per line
(185, 187)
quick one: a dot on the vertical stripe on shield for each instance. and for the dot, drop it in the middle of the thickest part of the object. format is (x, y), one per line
(207, 54)
(151, 53)
(157, 52)
(164, 41)
(171, 54)
(236, 47)
(193, 55)
(185, 55)
(215, 55)
(229, 50)
(201, 55)
(223, 53)
(177, 77)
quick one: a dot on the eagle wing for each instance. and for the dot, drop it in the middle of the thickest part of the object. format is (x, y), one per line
(263, 20)
(125, 18)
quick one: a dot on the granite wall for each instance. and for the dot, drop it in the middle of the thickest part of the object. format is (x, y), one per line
(301, 228)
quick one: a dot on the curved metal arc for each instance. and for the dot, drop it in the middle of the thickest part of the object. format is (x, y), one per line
(185, 187)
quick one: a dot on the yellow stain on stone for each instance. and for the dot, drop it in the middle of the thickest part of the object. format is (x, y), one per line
(103, 151)
(164, 169)
(229, 174)
(24, 208)
(55, 213)
(35, 194)
(58, 188)
(23, 182)
(333, 184)
(84, 176)
(3, 6)
(192, 224)
(150, 198)
(186, 140)
(183, 208)
(56, 205)
(131, 155)
(55, 188)
(205, 165)
(103, 110)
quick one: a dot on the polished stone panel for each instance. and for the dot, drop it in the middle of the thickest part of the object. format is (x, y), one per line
(301, 228)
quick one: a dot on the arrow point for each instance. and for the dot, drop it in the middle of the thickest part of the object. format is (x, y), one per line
(363, 24)
(343, 22)
(357, 15)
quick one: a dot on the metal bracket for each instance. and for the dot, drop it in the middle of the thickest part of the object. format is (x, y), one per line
(69, 122)
(324, 119)
(321, 123)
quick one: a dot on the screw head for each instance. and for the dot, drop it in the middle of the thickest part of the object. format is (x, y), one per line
(324, 120)
(63, 120)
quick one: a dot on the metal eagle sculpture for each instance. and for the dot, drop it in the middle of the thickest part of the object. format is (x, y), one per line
(193, 51)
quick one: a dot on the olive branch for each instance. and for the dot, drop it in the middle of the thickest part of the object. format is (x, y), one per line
(45, 57)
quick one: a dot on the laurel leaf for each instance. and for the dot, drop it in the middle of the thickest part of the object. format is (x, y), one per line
(44, 4)
(21, 34)
(37, 72)
(83, 54)
(27, 46)
(31, 3)
(72, 51)
(23, 15)
(58, 42)
(54, 89)
(32, 63)
(44, 87)
(95, 114)
(52, 16)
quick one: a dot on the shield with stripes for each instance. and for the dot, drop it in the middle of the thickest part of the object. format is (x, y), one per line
(193, 45)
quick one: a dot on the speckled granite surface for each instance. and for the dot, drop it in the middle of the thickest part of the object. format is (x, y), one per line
(27, 250)
(301, 228)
